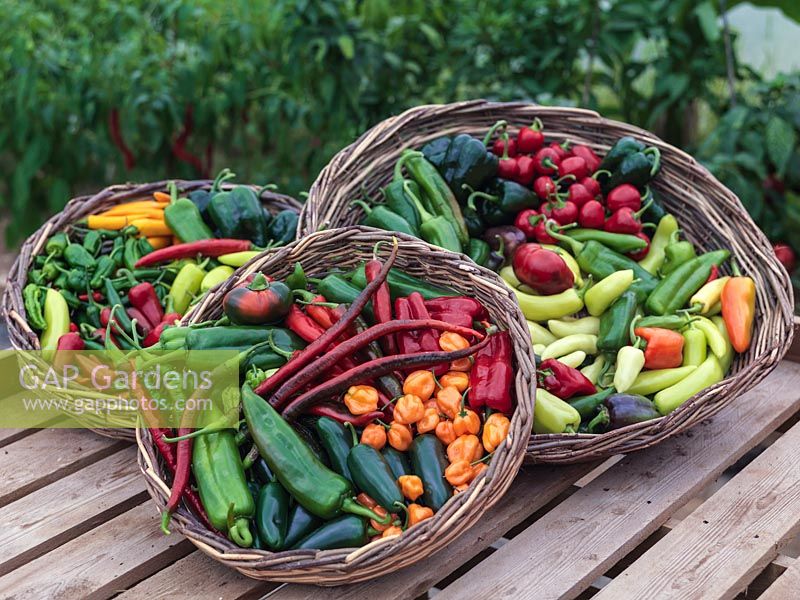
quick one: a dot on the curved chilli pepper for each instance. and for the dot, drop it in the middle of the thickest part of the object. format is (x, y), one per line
(272, 515)
(726, 358)
(654, 260)
(602, 295)
(584, 342)
(33, 296)
(375, 368)
(573, 359)
(143, 297)
(381, 305)
(593, 371)
(303, 325)
(180, 482)
(56, 317)
(561, 328)
(587, 406)
(321, 491)
(339, 414)
(259, 303)
(694, 346)
(372, 475)
(674, 291)
(552, 415)
(212, 248)
(707, 296)
(650, 382)
(738, 310)
(716, 341)
(664, 349)
(318, 346)
(428, 338)
(563, 381)
(630, 362)
(492, 375)
(186, 285)
(677, 253)
(707, 374)
(347, 531)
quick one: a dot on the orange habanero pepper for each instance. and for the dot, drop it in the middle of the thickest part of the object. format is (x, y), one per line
(739, 309)
(466, 421)
(461, 364)
(445, 432)
(495, 430)
(465, 447)
(417, 513)
(420, 383)
(400, 436)
(456, 379)
(448, 400)
(429, 420)
(450, 342)
(361, 399)
(408, 409)
(392, 531)
(458, 472)
(411, 486)
(374, 435)
(478, 469)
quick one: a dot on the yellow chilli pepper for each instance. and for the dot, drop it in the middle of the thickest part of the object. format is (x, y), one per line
(420, 383)
(237, 259)
(708, 295)
(540, 334)
(584, 342)
(565, 326)
(573, 359)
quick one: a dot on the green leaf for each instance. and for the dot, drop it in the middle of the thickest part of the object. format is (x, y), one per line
(707, 19)
(781, 139)
(346, 46)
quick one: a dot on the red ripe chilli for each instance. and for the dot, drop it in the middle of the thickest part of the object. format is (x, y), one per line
(592, 215)
(592, 185)
(544, 187)
(640, 254)
(579, 195)
(507, 169)
(562, 213)
(525, 170)
(546, 161)
(530, 139)
(543, 270)
(588, 155)
(623, 196)
(541, 235)
(573, 165)
(523, 222)
(561, 150)
(625, 220)
(499, 147)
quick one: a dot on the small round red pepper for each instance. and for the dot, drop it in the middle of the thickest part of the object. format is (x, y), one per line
(592, 215)
(530, 139)
(523, 222)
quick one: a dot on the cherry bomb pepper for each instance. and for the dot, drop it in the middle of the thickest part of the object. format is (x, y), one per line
(491, 375)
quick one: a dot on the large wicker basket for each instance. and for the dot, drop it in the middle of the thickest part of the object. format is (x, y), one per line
(710, 214)
(21, 335)
(344, 249)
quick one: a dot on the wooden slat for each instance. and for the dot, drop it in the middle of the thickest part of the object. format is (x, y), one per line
(198, 576)
(785, 586)
(569, 547)
(54, 514)
(102, 562)
(531, 490)
(47, 455)
(718, 549)
(8, 436)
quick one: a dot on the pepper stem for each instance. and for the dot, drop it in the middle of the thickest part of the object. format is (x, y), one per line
(635, 339)
(537, 124)
(366, 207)
(165, 519)
(424, 215)
(266, 188)
(505, 146)
(601, 420)
(279, 351)
(259, 283)
(352, 429)
(573, 244)
(240, 533)
(404, 508)
(597, 174)
(489, 134)
(351, 506)
(222, 176)
(644, 208)
(476, 194)
(656, 160)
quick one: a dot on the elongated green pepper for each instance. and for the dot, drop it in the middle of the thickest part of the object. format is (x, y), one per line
(619, 242)
(428, 462)
(32, 297)
(650, 382)
(540, 334)
(56, 317)
(337, 442)
(272, 515)
(615, 323)
(674, 291)
(301, 523)
(726, 358)
(655, 256)
(587, 405)
(437, 230)
(320, 490)
(593, 371)
(677, 253)
(707, 374)
(401, 284)
(382, 217)
(398, 202)
(346, 531)
(372, 475)
(552, 415)
(186, 285)
(397, 461)
(478, 251)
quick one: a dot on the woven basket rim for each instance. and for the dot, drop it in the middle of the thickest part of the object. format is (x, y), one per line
(20, 333)
(334, 567)
(363, 167)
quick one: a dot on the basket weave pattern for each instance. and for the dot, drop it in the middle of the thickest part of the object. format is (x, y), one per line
(344, 249)
(711, 216)
(21, 335)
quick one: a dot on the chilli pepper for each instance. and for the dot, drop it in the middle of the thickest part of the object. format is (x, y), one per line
(552, 415)
(638, 255)
(594, 370)
(563, 381)
(738, 309)
(337, 442)
(258, 303)
(398, 463)
(237, 214)
(272, 515)
(695, 346)
(575, 166)
(673, 292)
(495, 431)
(561, 328)
(184, 219)
(615, 323)
(438, 230)
(400, 203)
(408, 409)
(630, 362)
(372, 475)
(382, 217)
(320, 490)
(530, 139)
(462, 160)
(374, 435)
(399, 436)
(492, 374)
(510, 196)
(215, 276)
(507, 167)
(381, 304)
(186, 285)
(428, 462)
(417, 513)
(401, 284)
(143, 297)
(664, 349)
(602, 295)
(637, 168)
(478, 251)
(709, 295)
(667, 226)
(543, 270)
(79, 257)
(592, 215)
(587, 406)
(505, 146)
(619, 242)
(677, 253)
(624, 147)
(650, 382)
(707, 374)
(346, 531)
(209, 248)
(33, 300)
(56, 245)
(624, 220)
(526, 221)
(546, 161)
(300, 524)
(542, 308)
(411, 486)
(361, 399)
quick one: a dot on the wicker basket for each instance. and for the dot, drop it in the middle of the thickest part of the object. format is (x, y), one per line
(344, 249)
(710, 214)
(19, 332)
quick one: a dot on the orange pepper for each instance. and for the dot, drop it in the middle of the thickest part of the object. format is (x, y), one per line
(461, 364)
(448, 400)
(664, 348)
(465, 447)
(374, 435)
(365, 500)
(400, 436)
(456, 379)
(739, 310)
(478, 469)
(445, 432)
(161, 197)
(420, 383)
(458, 472)
(411, 486)
(457, 489)
(133, 207)
(495, 430)
(391, 531)
(361, 399)
(158, 242)
(151, 227)
(408, 409)
(431, 404)
(429, 420)
(467, 421)
(417, 513)
(381, 512)
(450, 342)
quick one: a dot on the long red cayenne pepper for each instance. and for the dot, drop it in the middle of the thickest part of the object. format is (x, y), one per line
(324, 316)
(343, 416)
(212, 248)
(303, 325)
(428, 338)
(143, 296)
(458, 304)
(407, 342)
(381, 305)
(491, 375)
(180, 481)
(461, 319)
(375, 368)
(353, 345)
(318, 346)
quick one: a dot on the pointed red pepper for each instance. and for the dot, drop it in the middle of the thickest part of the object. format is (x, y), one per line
(546, 161)
(526, 170)
(624, 196)
(573, 165)
(588, 155)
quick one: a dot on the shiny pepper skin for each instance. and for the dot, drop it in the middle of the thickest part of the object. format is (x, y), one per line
(543, 270)
(592, 215)
(445, 432)
(400, 436)
(546, 161)
(467, 447)
(523, 222)
(392, 531)
(456, 379)
(420, 383)
(507, 169)
(526, 170)
(374, 435)
(429, 420)
(588, 155)
(544, 187)
(625, 220)
(530, 139)
(573, 165)
(592, 186)
(541, 235)
(418, 513)
(361, 399)
(458, 472)
(448, 400)
(495, 430)
(450, 342)
(466, 422)
(579, 195)
(499, 147)
(408, 410)
(622, 196)
(411, 486)
(381, 512)
(641, 254)
(562, 213)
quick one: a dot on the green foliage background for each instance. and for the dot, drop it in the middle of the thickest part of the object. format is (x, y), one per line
(277, 87)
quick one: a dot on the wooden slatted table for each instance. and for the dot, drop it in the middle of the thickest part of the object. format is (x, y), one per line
(713, 513)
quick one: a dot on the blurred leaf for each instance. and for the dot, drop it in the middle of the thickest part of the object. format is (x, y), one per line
(707, 18)
(780, 139)
(346, 46)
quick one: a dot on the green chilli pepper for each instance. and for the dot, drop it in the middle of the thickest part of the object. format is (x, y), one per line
(478, 251)
(624, 147)
(673, 292)
(650, 382)
(237, 214)
(337, 289)
(337, 442)
(283, 227)
(676, 253)
(272, 515)
(79, 257)
(401, 284)
(382, 217)
(437, 230)
(347, 531)
(400, 203)
(587, 406)
(372, 475)
(104, 270)
(297, 279)
(397, 461)
(301, 523)
(619, 242)
(615, 323)
(32, 297)
(92, 241)
(428, 462)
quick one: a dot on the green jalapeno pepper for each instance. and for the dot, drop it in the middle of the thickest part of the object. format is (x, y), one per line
(397, 461)
(401, 204)
(301, 523)
(615, 323)
(104, 270)
(79, 257)
(347, 531)
(478, 251)
(382, 217)
(272, 515)
(372, 475)
(673, 292)
(676, 253)
(337, 442)
(587, 406)
(33, 297)
(437, 230)
(92, 241)
(618, 242)
(428, 462)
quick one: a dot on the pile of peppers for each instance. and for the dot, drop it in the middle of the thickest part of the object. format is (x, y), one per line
(147, 261)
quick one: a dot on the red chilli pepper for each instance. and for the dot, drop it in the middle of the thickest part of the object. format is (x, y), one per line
(458, 304)
(523, 222)
(640, 254)
(714, 273)
(428, 338)
(625, 220)
(624, 196)
(547, 161)
(324, 316)
(573, 165)
(407, 342)
(526, 170)
(70, 341)
(180, 482)
(592, 185)
(381, 305)
(303, 325)
(530, 139)
(454, 318)
(592, 215)
(96, 296)
(588, 155)
(544, 187)
(142, 322)
(492, 374)
(562, 380)
(500, 145)
(143, 296)
(212, 248)
(339, 413)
